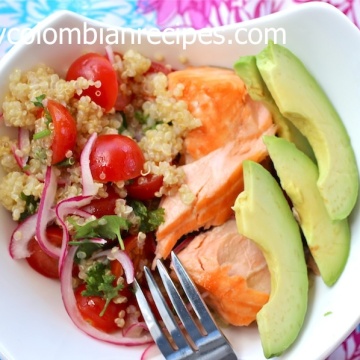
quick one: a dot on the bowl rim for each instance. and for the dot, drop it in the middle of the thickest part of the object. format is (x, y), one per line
(59, 16)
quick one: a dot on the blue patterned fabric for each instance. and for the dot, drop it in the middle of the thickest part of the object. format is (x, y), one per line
(26, 14)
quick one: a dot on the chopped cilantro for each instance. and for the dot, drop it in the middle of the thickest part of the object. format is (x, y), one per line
(67, 162)
(150, 219)
(38, 101)
(31, 204)
(85, 249)
(141, 117)
(48, 117)
(41, 134)
(100, 282)
(124, 124)
(107, 227)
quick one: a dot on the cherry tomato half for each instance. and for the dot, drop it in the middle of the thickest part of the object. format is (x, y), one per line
(103, 206)
(39, 260)
(144, 187)
(115, 158)
(90, 308)
(137, 254)
(64, 131)
(96, 67)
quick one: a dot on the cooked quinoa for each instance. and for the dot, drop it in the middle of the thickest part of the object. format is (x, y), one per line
(154, 118)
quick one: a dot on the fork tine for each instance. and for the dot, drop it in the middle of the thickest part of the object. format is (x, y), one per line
(214, 346)
(178, 303)
(166, 315)
(176, 344)
(150, 320)
(194, 297)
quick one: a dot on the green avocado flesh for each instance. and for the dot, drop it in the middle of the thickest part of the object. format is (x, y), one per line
(263, 215)
(301, 100)
(247, 70)
(328, 240)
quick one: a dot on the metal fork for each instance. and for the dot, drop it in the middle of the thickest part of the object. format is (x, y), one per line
(174, 343)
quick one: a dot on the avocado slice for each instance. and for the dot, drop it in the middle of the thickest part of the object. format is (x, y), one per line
(328, 240)
(263, 215)
(302, 101)
(247, 70)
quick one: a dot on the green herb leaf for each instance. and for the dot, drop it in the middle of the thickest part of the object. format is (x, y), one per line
(38, 101)
(31, 205)
(67, 162)
(41, 134)
(150, 219)
(47, 117)
(99, 282)
(124, 124)
(107, 227)
(141, 117)
(85, 249)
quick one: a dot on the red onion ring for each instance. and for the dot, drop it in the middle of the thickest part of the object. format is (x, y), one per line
(110, 54)
(135, 329)
(69, 300)
(89, 187)
(23, 233)
(123, 258)
(146, 354)
(64, 208)
(43, 219)
(23, 142)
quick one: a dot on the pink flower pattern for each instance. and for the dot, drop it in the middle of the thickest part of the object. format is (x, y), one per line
(351, 8)
(207, 13)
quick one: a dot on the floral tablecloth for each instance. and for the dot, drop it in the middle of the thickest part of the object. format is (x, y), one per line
(163, 14)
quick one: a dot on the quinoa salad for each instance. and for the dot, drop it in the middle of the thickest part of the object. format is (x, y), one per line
(55, 194)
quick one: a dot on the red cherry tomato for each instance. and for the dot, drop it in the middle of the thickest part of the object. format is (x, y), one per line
(115, 158)
(122, 101)
(90, 308)
(144, 187)
(96, 67)
(156, 67)
(39, 260)
(64, 131)
(103, 206)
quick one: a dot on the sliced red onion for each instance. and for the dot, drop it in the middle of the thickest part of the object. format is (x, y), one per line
(43, 219)
(99, 241)
(89, 187)
(72, 309)
(123, 258)
(23, 142)
(136, 329)
(18, 159)
(147, 352)
(110, 54)
(64, 208)
(23, 233)
(72, 206)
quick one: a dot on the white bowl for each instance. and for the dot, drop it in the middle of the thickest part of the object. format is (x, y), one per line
(33, 321)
